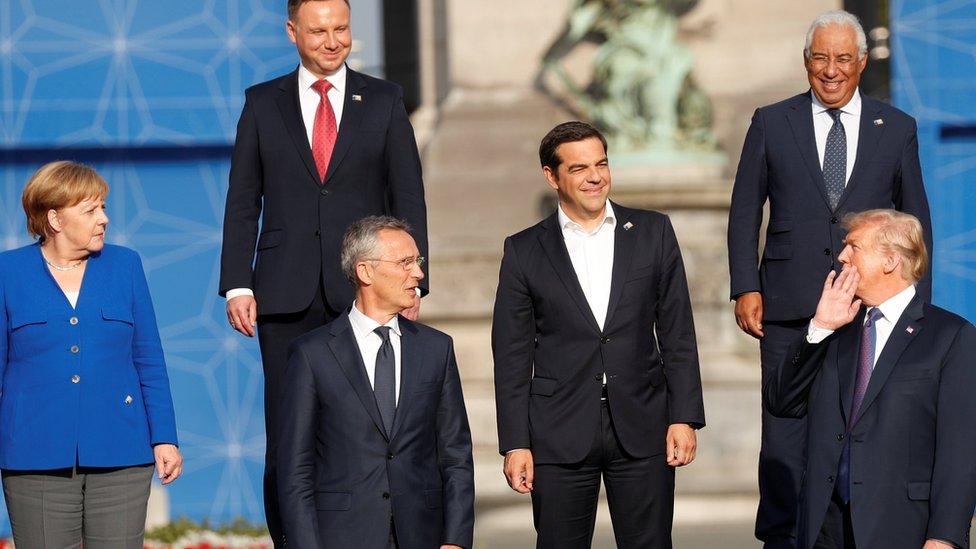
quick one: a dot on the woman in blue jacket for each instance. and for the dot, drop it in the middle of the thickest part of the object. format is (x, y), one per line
(85, 405)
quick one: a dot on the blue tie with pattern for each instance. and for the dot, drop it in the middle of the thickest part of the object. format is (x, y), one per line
(384, 379)
(865, 365)
(835, 160)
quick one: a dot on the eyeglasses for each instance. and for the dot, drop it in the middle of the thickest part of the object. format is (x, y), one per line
(406, 263)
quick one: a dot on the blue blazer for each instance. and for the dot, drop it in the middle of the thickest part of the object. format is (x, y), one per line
(83, 385)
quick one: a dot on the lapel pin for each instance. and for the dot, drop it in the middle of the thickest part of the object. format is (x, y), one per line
(357, 97)
(910, 330)
(628, 226)
(879, 121)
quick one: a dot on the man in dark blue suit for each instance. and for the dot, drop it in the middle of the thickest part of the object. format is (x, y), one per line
(375, 450)
(316, 150)
(813, 158)
(886, 381)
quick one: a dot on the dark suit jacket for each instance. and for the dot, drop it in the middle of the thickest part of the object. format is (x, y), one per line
(550, 354)
(912, 457)
(780, 164)
(341, 479)
(374, 170)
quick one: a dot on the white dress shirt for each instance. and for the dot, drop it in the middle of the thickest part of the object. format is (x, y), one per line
(850, 116)
(309, 99)
(592, 256)
(369, 342)
(891, 310)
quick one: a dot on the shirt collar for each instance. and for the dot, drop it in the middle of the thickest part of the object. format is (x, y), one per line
(363, 325)
(306, 79)
(853, 107)
(895, 305)
(566, 223)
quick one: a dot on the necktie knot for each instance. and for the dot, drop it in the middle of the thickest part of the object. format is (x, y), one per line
(322, 86)
(835, 114)
(383, 332)
(874, 314)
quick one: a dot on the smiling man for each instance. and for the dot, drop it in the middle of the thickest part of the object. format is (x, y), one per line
(596, 364)
(813, 158)
(316, 150)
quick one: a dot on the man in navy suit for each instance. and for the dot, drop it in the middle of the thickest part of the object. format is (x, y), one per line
(813, 158)
(316, 150)
(375, 450)
(886, 381)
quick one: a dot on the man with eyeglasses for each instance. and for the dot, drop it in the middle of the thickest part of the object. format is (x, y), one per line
(375, 449)
(813, 157)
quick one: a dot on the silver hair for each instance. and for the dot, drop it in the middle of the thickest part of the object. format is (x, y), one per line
(361, 238)
(839, 18)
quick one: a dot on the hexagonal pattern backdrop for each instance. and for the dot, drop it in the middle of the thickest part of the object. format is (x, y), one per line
(149, 93)
(934, 59)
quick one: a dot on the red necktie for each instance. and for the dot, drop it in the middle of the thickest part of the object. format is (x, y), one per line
(323, 130)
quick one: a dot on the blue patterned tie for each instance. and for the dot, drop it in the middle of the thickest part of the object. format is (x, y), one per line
(835, 160)
(384, 379)
(865, 365)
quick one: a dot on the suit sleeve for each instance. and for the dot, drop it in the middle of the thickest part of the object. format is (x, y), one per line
(910, 198)
(953, 492)
(749, 194)
(786, 392)
(243, 207)
(296, 452)
(512, 346)
(675, 329)
(147, 356)
(454, 459)
(405, 178)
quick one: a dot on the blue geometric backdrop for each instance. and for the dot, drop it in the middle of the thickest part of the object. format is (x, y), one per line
(933, 69)
(149, 93)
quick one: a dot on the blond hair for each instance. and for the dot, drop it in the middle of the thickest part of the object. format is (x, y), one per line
(895, 232)
(58, 185)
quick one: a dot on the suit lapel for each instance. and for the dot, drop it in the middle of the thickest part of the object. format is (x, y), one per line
(352, 115)
(291, 115)
(411, 370)
(346, 352)
(555, 247)
(900, 337)
(624, 241)
(848, 351)
(867, 141)
(800, 118)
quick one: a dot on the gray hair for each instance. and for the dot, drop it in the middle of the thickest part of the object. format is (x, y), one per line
(361, 238)
(840, 18)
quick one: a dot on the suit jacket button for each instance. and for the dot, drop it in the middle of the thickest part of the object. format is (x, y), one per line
(597, 378)
(73, 320)
(826, 251)
(840, 437)
(75, 378)
(830, 479)
(833, 219)
(324, 192)
(74, 349)
(604, 340)
(386, 495)
(318, 232)
(389, 456)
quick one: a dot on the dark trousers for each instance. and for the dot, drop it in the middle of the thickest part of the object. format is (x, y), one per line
(783, 454)
(275, 333)
(640, 493)
(837, 531)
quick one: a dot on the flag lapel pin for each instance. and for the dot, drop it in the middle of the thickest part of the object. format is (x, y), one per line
(879, 121)
(359, 98)
(628, 226)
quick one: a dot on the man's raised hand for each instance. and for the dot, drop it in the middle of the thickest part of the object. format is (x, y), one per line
(837, 305)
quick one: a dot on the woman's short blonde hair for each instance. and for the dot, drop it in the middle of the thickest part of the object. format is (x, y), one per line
(58, 185)
(895, 232)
